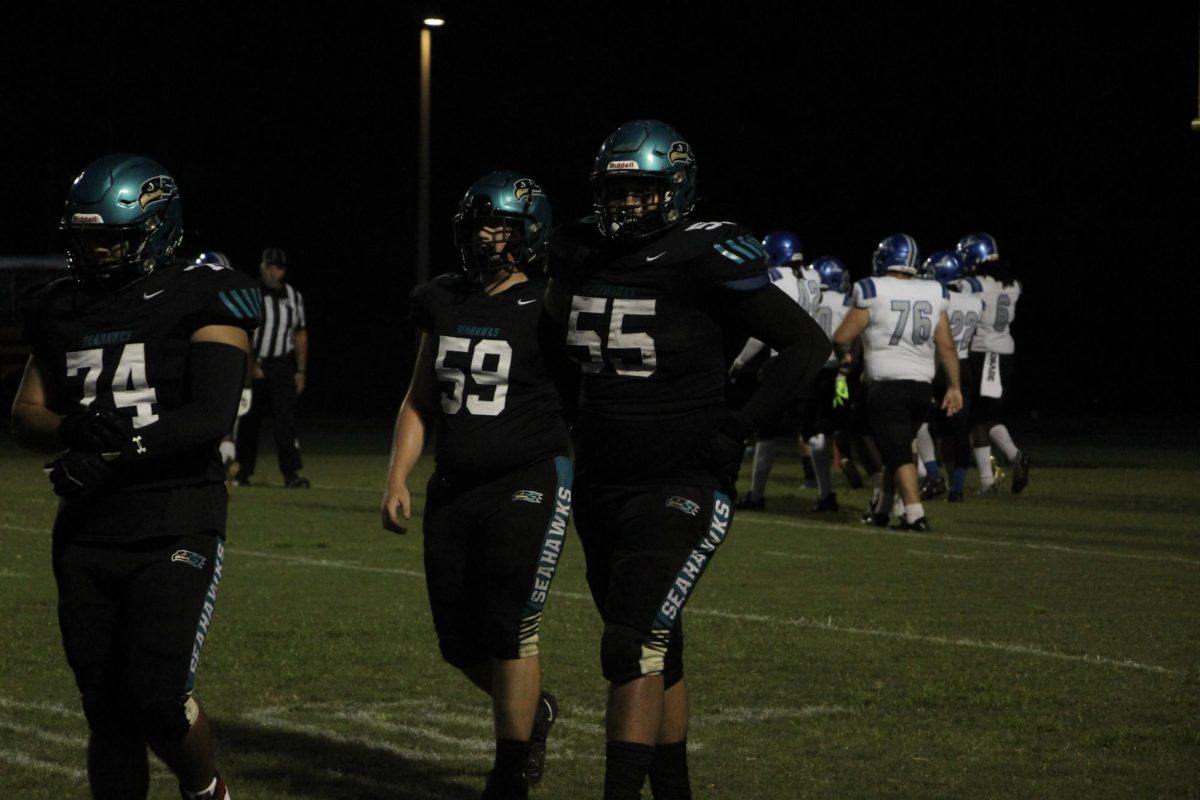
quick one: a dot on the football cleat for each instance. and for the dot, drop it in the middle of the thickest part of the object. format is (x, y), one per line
(217, 791)
(827, 503)
(296, 482)
(871, 518)
(933, 487)
(751, 503)
(988, 491)
(1020, 468)
(511, 787)
(544, 719)
(954, 497)
(921, 525)
(998, 474)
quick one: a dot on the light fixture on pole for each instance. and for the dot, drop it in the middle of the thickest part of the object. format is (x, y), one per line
(423, 154)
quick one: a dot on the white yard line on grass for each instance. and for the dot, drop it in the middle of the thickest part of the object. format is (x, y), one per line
(23, 760)
(323, 562)
(6, 574)
(979, 644)
(4, 526)
(911, 537)
(45, 735)
(941, 555)
(50, 708)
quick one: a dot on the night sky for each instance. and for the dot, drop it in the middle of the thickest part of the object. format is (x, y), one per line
(1061, 131)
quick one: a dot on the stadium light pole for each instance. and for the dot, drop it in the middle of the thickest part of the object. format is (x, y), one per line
(423, 154)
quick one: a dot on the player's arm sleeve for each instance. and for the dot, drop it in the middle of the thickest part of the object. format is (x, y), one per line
(215, 374)
(770, 315)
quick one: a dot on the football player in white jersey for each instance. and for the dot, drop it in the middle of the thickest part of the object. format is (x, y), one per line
(992, 355)
(964, 313)
(825, 416)
(785, 260)
(905, 331)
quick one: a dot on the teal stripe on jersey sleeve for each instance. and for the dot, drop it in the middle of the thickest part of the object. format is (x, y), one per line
(247, 311)
(741, 249)
(237, 312)
(731, 256)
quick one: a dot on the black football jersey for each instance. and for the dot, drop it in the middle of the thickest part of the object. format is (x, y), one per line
(129, 351)
(499, 408)
(646, 324)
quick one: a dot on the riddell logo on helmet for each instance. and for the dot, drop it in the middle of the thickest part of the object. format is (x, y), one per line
(527, 189)
(622, 165)
(680, 152)
(87, 219)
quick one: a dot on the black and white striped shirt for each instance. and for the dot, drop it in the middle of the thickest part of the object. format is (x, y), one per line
(282, 316)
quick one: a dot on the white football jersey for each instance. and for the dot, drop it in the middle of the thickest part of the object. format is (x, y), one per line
(999, 311)
(830, 313)
(898, 342)
(964, 313)
(808, 290)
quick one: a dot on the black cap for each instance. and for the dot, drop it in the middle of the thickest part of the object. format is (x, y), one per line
(274, 255)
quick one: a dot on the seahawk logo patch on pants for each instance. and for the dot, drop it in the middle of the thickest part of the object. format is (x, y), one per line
(188, 557)
(527, 495)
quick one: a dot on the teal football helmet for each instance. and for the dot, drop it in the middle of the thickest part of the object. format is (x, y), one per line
(123, 219)
(643, 180)
(513, 203)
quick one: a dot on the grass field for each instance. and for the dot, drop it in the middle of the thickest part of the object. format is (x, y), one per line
(1045, 645)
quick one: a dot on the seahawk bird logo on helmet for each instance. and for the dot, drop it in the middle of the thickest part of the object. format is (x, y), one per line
(526, 189)
(154, 190)
(681, 153)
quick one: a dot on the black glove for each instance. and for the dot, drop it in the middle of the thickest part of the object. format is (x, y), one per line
(722, 454)
(77, 475)
(96, 430)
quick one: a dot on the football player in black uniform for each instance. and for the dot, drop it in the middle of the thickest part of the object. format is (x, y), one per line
(137, 367)
(497, 504)
(649, 298)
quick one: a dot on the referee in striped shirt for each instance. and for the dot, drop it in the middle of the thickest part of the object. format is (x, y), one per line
(281, 354)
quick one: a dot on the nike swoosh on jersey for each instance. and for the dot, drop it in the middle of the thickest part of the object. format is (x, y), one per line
(148, 295)
(657, 257)
(527, 302)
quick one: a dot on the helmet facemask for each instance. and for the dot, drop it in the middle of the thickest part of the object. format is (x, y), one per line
(634, 205)
(490, 242)
(105, 258)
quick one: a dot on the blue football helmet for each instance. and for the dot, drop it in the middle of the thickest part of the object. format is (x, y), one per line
(123, 219)
(942, 266)
(833, 274)
(975, 248)
(643, 180)
(896, 253)
(213, 258)
(510, 201)
(783, 249)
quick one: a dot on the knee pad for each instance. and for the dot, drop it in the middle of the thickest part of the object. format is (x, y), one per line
(170, 719)
(627, 654)
(111, 713)
(460, 655)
